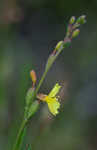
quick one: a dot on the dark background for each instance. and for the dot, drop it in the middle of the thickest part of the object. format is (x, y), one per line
(29, 31)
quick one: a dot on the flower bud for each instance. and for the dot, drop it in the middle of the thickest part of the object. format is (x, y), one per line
(59, 44)
(81, 19)
(33, 76)
(29, 96)
(72, 20)
(32, 109)
(75, 33)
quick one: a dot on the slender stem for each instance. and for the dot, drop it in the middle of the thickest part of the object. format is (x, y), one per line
(40, 82)
(46, 71)
(18, 139)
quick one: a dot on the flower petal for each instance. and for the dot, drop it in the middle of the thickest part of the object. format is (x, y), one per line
(55, 90)
(53, 105)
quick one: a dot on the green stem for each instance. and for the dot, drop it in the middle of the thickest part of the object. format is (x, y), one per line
(46, 71)
(40, 82)
(18, 139)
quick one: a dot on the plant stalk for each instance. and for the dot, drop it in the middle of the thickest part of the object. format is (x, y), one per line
(18, 142)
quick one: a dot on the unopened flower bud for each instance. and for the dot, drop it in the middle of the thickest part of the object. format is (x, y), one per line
(33, 76)
(59, 44)
(75, 33)
(72, 20)
(81, 19)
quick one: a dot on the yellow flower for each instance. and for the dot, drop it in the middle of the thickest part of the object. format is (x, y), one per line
(51, 99)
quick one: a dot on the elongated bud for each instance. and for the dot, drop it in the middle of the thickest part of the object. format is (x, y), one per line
(33, 76)
(29, 96)
(81, 19)
(29, 100)
(75, 33)
(32, 109)
(59, 44)
(72, 20)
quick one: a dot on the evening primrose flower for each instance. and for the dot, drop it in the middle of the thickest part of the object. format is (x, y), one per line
(51, 99)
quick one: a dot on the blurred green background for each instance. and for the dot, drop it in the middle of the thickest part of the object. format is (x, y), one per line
(29, 30)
